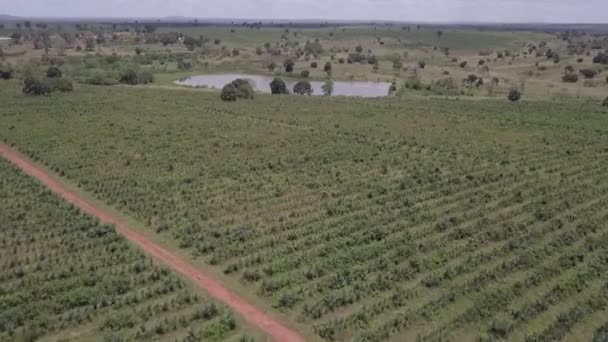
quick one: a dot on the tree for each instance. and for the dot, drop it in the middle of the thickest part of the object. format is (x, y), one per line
(422, 64)
(397, 65)
(303, 88)
(184, 64)
(328, 68)
(235, 52)
(569, 69)
(314, 65)
(305, 74)
(89, 44)
(278, 87)
(439, 34)
(288, 64)
(237, 89)
(139, 50)
(588, 73)
(35, 87)
(359, 49)
(191, 43)
(53, 72)
(272, 66)
(514, 95)
(463, 64)
(228, 93)
(15, 38)
(570, 78)
(328, 88)
(372, 60)
(128, 76)
(168, 39)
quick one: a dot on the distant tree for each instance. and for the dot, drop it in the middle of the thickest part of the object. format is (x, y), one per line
(514, 95)
(53, 72)
(61, 84)
(241, 88)
(482, 62)
(217, 41)
(278, 87)
(568, 69)
(35, 87)
(191, 43)
(185, 64)
(288, 64)
(16, 38)
(397, 65)
(267, 45)
(235, 52)
(228, 93)
(570, 78)
(149, 28)
(27, 24)
(341, 60)
(463, 64)
(422, 64)
(359, 49)
(328, 88)
(168, 39)
(272, 66)
(89, 44)
(500, 55)
(439, 34)
(139, 50)
(588, 73)
(259, 51)
(305, 74)
(128, 76)
(302, 88)
(314, 65)
(372, 60)
(328, 68)
(580, 60)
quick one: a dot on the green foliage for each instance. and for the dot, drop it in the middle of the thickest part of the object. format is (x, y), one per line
(79, 278)
(302, 88)
(36, 86)
(53, 72)
(278, 86)
(305, 74)
(135, 77)
(588, 73)
(570, 78)
(62, 84)
(328, 88)
(237, 89)
(514, 95)
(605, 102)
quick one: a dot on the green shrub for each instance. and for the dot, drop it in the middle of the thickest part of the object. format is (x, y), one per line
(514, 95)
(53, 72)
(305, 74)
(570, 78)
(228, 93)
(99, 77)
(61, 84)
(36, 87)
(588, 73)
(278, 87)
(605, 102)
(302, 88)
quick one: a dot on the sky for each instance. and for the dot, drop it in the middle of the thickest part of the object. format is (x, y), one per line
(562, 11)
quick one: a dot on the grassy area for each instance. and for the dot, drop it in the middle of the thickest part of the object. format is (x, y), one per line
(395, 218)
(65, 277)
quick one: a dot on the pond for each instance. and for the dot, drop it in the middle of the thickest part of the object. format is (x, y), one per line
(262, 84)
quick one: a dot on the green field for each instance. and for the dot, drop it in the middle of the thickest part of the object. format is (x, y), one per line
(65, 277)
(403, 218)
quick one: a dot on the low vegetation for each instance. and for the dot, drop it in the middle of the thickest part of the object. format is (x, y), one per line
(65, 274)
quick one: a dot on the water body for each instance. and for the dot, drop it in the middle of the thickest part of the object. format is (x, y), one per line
(262, 84)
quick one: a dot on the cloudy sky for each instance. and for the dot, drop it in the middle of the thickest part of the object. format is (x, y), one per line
(406, 10)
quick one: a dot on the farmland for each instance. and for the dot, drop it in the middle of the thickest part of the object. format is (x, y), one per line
(401, 218)
(66, 277)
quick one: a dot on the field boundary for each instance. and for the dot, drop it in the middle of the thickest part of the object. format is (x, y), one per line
(254, 316)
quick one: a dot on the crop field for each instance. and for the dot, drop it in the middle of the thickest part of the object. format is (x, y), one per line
(403, 219)
(65, 277)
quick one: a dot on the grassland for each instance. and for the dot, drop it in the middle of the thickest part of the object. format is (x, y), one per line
(65, 277)
(399, 218)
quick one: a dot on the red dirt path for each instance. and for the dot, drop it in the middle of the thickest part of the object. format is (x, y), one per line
(254, 316)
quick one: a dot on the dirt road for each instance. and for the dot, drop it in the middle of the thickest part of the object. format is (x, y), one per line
(254, 316)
